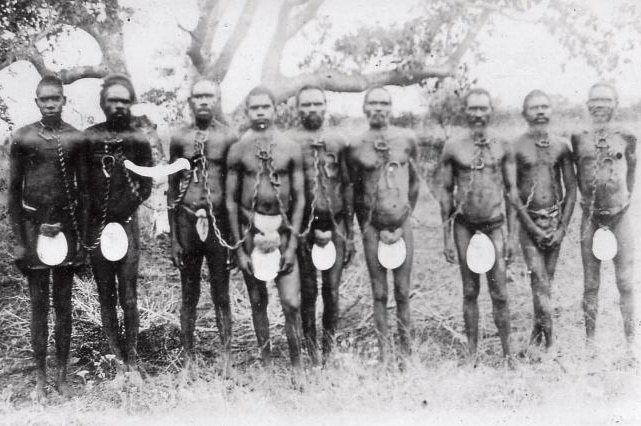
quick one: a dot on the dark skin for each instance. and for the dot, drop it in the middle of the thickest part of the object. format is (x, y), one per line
(333, 196)
(606, 181)
(37, 195)
(385, 192)
(480, 194)
(187, 250)
(243, 166)
(545, 178)
(116, 281)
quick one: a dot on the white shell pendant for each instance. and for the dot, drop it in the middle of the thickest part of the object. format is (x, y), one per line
(604, 244)
(202, 224)
(324, 257)
(52, 251)
(265, 264)
(114, 242)
(392, 256)
(480, 253)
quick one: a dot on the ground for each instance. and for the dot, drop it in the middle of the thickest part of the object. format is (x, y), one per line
(570, 385)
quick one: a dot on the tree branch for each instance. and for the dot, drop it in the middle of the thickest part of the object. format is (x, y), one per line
(202, 35)
(303, 17)
(466, 43)
(218, 70)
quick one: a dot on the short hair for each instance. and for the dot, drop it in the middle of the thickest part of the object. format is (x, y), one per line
(377, 87)
(117, 80)
(50, 80)
(310, 87)
(476, 91)
(202, 80)
(533, 94)
(260, 90)
(604, 84)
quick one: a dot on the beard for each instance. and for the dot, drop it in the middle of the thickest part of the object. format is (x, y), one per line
(377, 120)
(119, 120)
(311, 121)
(601, 114)
(477, 121)
(260, 124)
(540, 119)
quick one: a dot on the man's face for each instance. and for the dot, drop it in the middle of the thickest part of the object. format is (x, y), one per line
(537, 110)
(377, 108)
(117, 103)
(311, 108)
(260, 111)
(478, 109)
(602, 101)
(204, 97)
(50, 101)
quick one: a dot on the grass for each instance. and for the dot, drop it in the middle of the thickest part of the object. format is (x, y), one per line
(571, 385)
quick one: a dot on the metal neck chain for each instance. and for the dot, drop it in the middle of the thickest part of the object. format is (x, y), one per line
(62, 162)
(601, 147)
(543, 146)
(105, 198)
(265, 155)
(316, 147)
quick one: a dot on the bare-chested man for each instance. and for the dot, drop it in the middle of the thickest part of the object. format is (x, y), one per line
(605, 159)
(197, 216)
(47, 158)
(382, 164)
(265, 195)
(329, 215)
(547, 188)
(116, 194)
(481, 168)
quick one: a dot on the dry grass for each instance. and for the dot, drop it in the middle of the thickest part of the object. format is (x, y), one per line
(568, 386)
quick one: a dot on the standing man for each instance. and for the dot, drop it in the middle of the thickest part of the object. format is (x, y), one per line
(48, 218)
(547, 189)
(197, 215)
(481, 167)
(265, 201)
(328, 218)
(116, 194)
(605, 159)
(382, 164)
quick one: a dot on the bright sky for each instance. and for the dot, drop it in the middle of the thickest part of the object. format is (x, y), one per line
(520, 56)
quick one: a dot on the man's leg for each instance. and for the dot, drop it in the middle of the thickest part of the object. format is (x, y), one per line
(219, 286)
(378, 276)
(535, 260)
(127, 272)
(402, 289)
(309, 293)
(105, 276)
(624, 271)
(471, 287)
(258, 297)
(190, 286)
(330, 291)
(62, 285)
(289, 294)
(496, 279)
(591, 277)
(39, 296)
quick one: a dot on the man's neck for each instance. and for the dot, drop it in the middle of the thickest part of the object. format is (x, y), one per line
(478, 133)
(51, 122)
(203, 124)
(117, 125)
(603, 126)
(378, 128)
(538, 130)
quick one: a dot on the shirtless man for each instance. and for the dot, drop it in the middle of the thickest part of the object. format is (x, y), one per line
(329, 214)
(382, 165)
(46, 159)
(547, 188)
(116, 194)
(197, 216)
(265, 197)
(605, 159)
(481, 167)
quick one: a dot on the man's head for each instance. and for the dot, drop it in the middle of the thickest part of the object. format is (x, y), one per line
(537, 108)
(50, 97)
(205, 94)
(478, 108)
(377, 106)
(602, 102)
(116, 97)
(260, 107)
(311, 104)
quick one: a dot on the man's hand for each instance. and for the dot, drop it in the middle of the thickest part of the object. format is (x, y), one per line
(177, 255)
(244, 262)
(19, 252)
(555, 237)
(510, 249)
(539, 236)
(450, 252)
(287, 260)
(350, 250)
(81, 256)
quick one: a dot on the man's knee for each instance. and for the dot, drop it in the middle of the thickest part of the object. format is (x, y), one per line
(470, 294)
(291, 306)
(402, 294)
(380, 295)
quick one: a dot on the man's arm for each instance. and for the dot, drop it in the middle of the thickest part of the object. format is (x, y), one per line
(570, 185)
(232, 193)
(446, 201)
(173, 191)
(512, 200)
(631, 157)
(415, 182)
(144, 157)
(82, 153)
(16, 176)
(297, 193)
(348, 193)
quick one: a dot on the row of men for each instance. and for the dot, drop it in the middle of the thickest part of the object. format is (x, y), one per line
(283, 204)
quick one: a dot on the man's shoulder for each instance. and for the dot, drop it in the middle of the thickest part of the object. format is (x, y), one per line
(21, 133)
(403, 132)
(625, 133)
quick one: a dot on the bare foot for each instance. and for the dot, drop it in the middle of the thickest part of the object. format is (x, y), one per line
(63, 388)
(39, 393)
